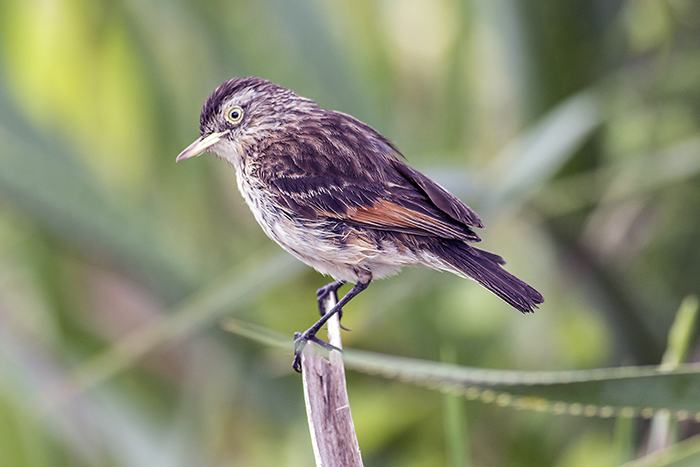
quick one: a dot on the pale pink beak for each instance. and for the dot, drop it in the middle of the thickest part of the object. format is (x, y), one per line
(200, 145)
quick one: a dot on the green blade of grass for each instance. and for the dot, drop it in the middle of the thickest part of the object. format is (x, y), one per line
(663, 431)
(603, 392)
(683, 454)
(536, 156)
(455, 419)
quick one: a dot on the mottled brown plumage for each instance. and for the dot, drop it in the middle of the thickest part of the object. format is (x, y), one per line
(338, 196)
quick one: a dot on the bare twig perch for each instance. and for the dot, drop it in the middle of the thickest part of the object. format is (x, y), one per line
(327, 407)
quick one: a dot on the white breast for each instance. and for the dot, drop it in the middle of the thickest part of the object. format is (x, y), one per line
(342, 257)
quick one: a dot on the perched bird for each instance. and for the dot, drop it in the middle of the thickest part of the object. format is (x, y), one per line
(338, 196)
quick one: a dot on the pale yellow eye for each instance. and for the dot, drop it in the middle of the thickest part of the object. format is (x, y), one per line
(234, 114)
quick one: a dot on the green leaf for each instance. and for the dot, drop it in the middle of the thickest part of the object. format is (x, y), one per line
(681, 333)
(605, 392)
(602, 392)
(455, 419)
(683, 454)
(536, 156)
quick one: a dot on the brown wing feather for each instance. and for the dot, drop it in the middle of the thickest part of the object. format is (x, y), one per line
(352, 174)
(387, 215)
(443, 199)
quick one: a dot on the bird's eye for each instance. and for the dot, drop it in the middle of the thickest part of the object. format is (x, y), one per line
(234, 115)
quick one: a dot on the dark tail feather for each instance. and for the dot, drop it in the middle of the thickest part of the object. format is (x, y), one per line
(485, 268)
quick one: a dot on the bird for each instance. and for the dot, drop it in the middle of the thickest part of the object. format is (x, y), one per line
(340, 197)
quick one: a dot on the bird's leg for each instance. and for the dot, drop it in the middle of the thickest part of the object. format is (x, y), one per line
(300, 340)
(326, 291)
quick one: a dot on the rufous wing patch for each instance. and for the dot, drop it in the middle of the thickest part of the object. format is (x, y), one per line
(391, 216)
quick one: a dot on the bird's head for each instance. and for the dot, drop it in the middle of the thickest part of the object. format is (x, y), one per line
(243, 111)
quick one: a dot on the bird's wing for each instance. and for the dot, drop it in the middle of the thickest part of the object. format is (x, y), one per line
(375, 191)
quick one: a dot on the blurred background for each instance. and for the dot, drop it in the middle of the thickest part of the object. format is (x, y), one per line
(572, 127)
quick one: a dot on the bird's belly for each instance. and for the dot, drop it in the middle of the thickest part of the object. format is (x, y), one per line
(344, 258)
(329, 246)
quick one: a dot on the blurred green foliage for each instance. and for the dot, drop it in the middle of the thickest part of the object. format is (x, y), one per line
(572, 126)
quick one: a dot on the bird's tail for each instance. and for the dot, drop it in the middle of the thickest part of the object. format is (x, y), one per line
(485, 268)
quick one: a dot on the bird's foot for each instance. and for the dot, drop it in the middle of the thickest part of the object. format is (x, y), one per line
(326, 291)
(300, 341)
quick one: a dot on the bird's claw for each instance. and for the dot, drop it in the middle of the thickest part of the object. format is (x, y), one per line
(300, 341)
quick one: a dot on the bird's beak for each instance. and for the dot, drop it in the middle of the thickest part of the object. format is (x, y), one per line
(200, 145)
